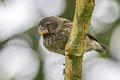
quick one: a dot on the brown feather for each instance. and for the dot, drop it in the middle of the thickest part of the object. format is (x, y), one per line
(58, 36)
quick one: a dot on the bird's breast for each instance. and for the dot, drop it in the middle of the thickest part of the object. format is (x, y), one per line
(55, 43)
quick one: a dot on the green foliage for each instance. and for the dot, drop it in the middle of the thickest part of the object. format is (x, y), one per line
(33, 32)
(2, 43)
(2, 0)
(70, 9)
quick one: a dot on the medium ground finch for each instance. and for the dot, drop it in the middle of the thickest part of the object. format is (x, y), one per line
(56, 31)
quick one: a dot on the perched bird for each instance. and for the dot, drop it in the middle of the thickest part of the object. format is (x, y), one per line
(56, 31)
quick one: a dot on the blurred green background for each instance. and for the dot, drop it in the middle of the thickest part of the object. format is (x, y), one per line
(23, 58)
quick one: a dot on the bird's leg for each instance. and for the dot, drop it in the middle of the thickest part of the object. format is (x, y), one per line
(64, 73)
(64, 69)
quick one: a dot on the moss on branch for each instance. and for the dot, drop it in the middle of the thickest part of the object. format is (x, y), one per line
(75, 46)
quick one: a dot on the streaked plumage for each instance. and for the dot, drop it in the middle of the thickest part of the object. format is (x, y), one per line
(56, 32)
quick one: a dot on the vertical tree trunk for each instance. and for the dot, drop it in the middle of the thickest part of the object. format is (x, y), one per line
(75, 46)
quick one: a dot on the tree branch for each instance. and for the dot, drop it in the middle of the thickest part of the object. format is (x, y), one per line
(75, 46)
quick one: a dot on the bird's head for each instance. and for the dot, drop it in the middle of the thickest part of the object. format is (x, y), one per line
(49, 25)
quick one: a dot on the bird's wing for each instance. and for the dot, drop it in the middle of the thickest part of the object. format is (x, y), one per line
(68, 23)
(92, 37)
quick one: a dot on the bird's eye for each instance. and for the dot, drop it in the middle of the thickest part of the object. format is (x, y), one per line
(47, 24)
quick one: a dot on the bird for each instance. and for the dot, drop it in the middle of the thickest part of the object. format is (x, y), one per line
(56, 31)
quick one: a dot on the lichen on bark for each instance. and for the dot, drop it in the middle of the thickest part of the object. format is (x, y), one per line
(76, 43)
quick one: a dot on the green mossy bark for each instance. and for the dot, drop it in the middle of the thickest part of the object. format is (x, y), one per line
(75, 46)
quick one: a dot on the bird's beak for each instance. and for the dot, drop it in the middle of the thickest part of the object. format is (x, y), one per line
(42, 31)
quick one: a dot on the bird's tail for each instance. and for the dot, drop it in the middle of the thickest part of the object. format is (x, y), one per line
(92, 44)
(103, 48)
